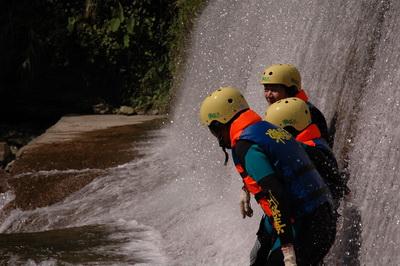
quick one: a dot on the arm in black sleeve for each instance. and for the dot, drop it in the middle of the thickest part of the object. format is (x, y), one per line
(280, 207)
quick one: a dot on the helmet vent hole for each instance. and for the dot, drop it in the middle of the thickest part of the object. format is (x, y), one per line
(230, 101)
(270, 73)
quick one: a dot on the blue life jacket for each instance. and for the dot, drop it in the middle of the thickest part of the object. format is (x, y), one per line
(304, 186)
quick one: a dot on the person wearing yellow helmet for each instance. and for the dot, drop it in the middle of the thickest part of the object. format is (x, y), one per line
(289, 189)
(281, 81)
(218, 109)
(293, 115)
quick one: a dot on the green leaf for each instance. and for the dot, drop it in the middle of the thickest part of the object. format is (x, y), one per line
(126, 40)
(130, 24)
(121, 14)
(114, 24)
(71, 24)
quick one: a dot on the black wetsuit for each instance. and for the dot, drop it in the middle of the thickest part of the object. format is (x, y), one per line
(315, 223)
(318, 118)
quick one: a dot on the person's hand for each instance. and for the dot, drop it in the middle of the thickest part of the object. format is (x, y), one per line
(289, 257)
(244, 203)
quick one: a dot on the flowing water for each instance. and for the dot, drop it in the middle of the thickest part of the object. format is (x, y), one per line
(177, 205)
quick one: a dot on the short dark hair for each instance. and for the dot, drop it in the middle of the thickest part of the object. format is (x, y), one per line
(294, 132)
(291, 91)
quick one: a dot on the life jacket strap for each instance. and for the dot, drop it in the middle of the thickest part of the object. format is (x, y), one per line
(302, 170)
(312, 195)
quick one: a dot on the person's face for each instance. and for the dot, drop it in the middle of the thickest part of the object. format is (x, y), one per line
(223, 136)
(274, 93)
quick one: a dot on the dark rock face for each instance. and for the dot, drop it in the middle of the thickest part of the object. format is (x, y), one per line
(4, 177)
(6, 155)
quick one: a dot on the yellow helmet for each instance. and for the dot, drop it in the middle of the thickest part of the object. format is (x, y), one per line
(222, 105)
(289, 112)
(285, 74)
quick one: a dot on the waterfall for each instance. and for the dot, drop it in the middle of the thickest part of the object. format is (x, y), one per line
(178, 205)
(347, 53)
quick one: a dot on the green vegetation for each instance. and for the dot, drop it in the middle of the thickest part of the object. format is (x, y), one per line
(86, 52)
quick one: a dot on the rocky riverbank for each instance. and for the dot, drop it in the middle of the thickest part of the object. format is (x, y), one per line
(39, 175)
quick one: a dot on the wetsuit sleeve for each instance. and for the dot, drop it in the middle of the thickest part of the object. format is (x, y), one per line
(280, 207)
(259, 167)
(257, 163)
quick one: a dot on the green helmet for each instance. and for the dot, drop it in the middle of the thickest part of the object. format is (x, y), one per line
(285, 74)
(222, 105)
(289, 112)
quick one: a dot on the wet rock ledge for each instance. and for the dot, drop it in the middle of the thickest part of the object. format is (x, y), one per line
(79, 142)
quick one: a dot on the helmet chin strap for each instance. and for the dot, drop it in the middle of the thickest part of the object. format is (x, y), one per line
(223, 146)
(226, 155)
